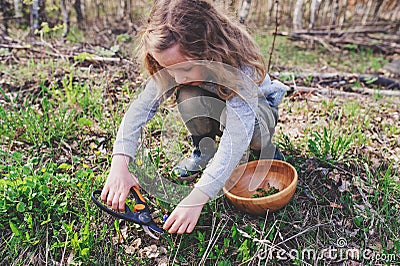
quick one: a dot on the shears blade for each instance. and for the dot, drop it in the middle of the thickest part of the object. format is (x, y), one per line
(147, 231)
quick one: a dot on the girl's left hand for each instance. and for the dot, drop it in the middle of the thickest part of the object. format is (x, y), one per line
(185, 215)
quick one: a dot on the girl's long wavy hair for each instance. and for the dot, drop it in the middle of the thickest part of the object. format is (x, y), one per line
(202, 32)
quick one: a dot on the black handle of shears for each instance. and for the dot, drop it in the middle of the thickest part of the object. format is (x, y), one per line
(140, 214)
(128, 215)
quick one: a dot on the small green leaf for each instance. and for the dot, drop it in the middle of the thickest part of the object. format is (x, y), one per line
(64, 166)
(358, 220)
(29, 220)
(116, 225)
(46, 221)
(34, 243)
(85, 122)
(21, 206)
(14, 229)
(83, 56)
(17, 156)
(44, 189)
(85, 252)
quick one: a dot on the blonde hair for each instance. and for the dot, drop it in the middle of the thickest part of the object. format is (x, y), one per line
(202, 32)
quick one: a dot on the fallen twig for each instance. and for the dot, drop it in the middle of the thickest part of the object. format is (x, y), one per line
(341, 32)
(340, 39)
(213, 239)
(99, 59)
(91, 59)
(176, 253)
(357, 92)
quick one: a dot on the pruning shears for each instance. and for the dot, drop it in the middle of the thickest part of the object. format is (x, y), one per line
(140, 214)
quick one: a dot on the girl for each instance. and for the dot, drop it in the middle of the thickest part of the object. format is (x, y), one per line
(222, 89)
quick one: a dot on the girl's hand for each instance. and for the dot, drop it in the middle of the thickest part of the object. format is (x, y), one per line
(185, 215)
(119, 183)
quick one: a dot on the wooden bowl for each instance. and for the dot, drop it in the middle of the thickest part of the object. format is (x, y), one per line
(246, 178)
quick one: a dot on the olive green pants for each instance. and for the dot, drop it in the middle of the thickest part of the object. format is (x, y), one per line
(204, 115)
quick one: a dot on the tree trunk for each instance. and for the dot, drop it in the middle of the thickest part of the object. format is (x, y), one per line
(313, 13)
(4, 17)
(325, 13)
(128, 4)
(121, 8)
(18, 11)
(97, 3)
(65, 15)
(342, 14)
(232, 5)
(335, 12)
(258, 10)
(365, 17)
(298, 15)
(79, 14)
(377, 7)
(244, 12)
(396, 14)
(35, 16)
(269, 11)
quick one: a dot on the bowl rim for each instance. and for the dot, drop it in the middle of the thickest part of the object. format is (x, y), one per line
(275, 196)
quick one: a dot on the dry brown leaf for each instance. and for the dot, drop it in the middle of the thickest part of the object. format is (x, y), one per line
(149, 252)
(352, 233)
(163, 262)
(389, 245)
(345, 186)
(334, 175)
(117, 240)
(162, 250)
(124, 231)
(360, 209)
(131, 249)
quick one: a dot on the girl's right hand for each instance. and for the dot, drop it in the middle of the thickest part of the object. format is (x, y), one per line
(119, 183)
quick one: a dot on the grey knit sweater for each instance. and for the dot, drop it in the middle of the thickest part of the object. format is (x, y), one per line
(236, 137)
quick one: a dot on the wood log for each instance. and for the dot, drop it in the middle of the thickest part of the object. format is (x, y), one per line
(338, 33)
(341, 79)
(93, 59)
(332, 92)
(384, 45)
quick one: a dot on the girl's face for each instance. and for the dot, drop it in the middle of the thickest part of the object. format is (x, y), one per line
(183, 69)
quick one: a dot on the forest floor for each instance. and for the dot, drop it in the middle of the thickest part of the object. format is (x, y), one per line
(61, 105)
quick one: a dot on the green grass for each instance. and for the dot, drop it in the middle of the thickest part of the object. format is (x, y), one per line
(41, 203)
(58, 123)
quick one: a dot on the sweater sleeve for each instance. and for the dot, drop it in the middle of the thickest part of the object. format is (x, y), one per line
(273, 91)
(240, 119)
(140, 111)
